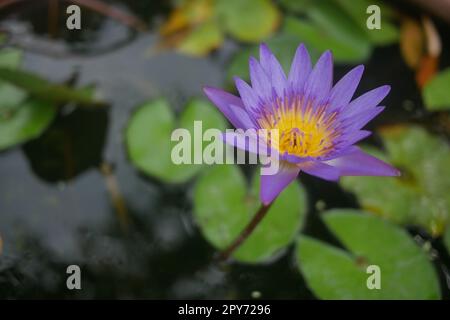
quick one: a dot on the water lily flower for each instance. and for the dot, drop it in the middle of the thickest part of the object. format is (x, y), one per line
(318, 123)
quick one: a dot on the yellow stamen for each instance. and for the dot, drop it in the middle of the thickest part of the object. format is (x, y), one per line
(303, 132)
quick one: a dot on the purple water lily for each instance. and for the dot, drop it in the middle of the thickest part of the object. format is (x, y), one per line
(318, 124)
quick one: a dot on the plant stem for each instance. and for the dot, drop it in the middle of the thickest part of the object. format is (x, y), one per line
(260, 214)
(113, 12)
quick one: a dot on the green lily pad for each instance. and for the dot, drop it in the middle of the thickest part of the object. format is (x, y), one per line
(249, 21)
(148, 137)
(296, 6)
(333, 273)
(10, 58)
(202, 39)
(322, 37)
(420, 196)
(224, 205)
(436, 93)
(356, 10)
(9, 94)
(20, 119)
(332, 20)
(447, 239)
(24, 122)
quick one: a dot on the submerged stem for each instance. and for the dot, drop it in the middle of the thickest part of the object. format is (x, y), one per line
(260, 214)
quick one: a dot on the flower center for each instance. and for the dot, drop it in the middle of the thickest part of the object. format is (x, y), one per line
(303, 132)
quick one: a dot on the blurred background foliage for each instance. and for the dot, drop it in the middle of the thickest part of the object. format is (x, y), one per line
(85, 123)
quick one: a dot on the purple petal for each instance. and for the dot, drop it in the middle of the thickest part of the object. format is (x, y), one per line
(259, 79)
(242, 116)
(264, 57)
(348, 140)
(367, 101)
(248, 95)
(273, 69)
(272, 185)
(359, 120)
(291, 158)
(224, 100)
(246, 142)
(321, 78)
(359, 163)
(277, 76)
(300, 69)
(343, 91)
(249, 141)
(321, 170)
(358, 136)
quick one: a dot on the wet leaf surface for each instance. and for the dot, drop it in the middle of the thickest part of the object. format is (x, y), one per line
(223, 206)
(320, 39)
(25, 121)
(148, 137)
(421, 194)
(201, 40)
(249, 21)
(334, 273)
(436, 93)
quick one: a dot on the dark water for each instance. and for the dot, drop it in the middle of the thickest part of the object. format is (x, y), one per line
(56, 208)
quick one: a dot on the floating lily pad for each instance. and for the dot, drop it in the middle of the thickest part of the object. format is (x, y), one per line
(224, 205)
(9, 94)
(357, 11)
(420, 196)
(436, 93)
(202, 39)
(341, 26)
(333, 273)
(10, 58)
(24, 122)
(447, 239)
(333, 21)
(249, 21)
(296, 6)
(20, 119)
(320, 38)
(148, 137)
(196, 27)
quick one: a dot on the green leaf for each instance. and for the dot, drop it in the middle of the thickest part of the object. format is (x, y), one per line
(223, 206)
(202, 40)
(333, 273)
(44, 90)
(149, 133)
(296, 6)
(447, 239)
(330, 18)
(24, 122)
(249, 21)
(420, 196)
(436, 93)
(356, 10)
(10, 58)
(20, 120)
(321, 39)
(9, 94)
